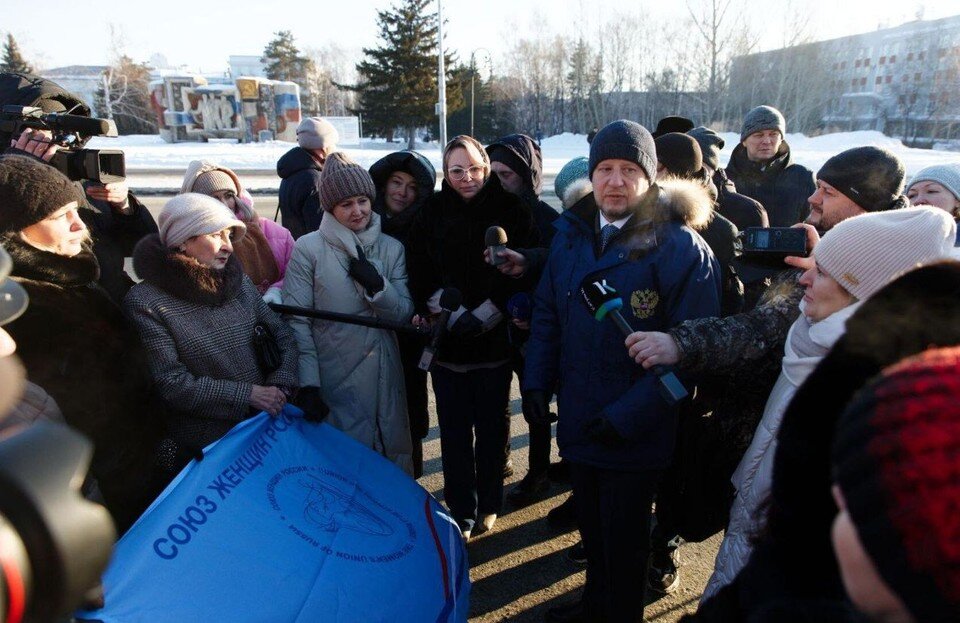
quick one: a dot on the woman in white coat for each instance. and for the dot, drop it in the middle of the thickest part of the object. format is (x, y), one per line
(349, 266)
(854, 260)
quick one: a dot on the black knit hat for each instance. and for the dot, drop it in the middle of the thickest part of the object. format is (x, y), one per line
(710, 145)
(30, 191)
(672, 123)
(625, 140)
(680, 154)
(871, 177)
(896, 458)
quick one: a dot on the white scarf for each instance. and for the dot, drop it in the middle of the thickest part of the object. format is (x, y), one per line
(808, 342)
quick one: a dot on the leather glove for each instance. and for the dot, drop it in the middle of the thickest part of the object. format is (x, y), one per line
(600, 430)
(467, 325)
(365, 273)
(536, 406)
(309, 400)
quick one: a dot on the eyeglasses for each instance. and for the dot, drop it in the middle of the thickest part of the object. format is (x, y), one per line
(458, 174)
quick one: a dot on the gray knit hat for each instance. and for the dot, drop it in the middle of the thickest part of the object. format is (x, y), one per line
(763, 118)
(30, 191)
(317, 133)
(871, 177)
(343, 178)
(214, 181)
(947, 175)
(710, 145)
(625, 140)
(865, 252)
(193, 214)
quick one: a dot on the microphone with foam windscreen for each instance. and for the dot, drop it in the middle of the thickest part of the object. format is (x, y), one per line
(450, 301)
(496, 241)
(603, 302)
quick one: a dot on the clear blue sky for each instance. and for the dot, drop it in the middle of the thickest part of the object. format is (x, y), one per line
(203, 35)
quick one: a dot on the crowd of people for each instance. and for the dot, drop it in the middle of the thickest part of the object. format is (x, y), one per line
(821, 431)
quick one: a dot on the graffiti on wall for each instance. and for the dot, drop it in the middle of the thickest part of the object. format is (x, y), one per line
(252, 109)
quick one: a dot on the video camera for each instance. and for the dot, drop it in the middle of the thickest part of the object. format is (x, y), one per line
(71, 132)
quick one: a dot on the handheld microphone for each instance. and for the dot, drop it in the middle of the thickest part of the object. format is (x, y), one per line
(450, 301)
(602, 301)
(496, 241)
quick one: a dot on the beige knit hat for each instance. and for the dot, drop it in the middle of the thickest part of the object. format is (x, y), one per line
(210, 182)
(865, 252)
(193, 214)
(343, 178)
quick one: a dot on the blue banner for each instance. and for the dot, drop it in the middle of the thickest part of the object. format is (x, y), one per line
(284, 520)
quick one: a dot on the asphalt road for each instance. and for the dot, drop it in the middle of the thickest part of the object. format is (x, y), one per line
(520, 568)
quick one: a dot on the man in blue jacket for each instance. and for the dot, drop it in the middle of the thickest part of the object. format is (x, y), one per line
(615, 429)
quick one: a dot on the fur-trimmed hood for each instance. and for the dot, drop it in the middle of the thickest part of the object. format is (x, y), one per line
(575, 192)
(686, 201)
(185, 278)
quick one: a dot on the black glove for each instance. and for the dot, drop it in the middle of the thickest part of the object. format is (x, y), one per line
(467, 325)
(536, 406)
(600, 430)
(309, 400)
(365, 273)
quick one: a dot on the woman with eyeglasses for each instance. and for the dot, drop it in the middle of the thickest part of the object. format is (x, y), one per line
(471, 377)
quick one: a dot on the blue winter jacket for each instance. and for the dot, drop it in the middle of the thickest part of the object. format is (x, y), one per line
(665, 273)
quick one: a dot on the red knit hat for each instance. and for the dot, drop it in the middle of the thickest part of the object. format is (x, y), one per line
(896, 458)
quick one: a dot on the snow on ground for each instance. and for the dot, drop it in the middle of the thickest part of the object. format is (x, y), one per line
(153, 163)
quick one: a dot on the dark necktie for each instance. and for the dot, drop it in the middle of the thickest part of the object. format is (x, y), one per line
(607, 232)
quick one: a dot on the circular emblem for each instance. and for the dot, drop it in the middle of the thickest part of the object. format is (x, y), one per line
(644, 303)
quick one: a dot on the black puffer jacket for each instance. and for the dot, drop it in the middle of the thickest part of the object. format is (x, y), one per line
(781, 185)
(425, 176)
(299, 192)
(446, 250)
(740, 209)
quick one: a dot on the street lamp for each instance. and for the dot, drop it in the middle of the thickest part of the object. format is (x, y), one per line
(473, 73)
(441, 78)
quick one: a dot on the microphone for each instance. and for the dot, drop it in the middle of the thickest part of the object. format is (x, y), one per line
(450, 301)
(520, 306)
(496, 241)
(602, 301)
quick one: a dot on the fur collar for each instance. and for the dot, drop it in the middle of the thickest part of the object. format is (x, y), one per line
(575, 192)
(683, 201)
(36, 265)
(183, 277)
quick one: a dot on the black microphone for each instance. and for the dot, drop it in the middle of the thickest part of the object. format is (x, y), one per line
(450, 301)
(87, 126)
(496, 241)
(602, 301)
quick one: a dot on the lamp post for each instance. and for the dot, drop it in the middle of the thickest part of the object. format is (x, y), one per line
(441, 78)
(473, 73)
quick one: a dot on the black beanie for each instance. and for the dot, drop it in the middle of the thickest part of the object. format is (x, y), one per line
(30, 191)
(871, 177)
(672, 123)
(680, 154)
(710, 145)
(625, 140)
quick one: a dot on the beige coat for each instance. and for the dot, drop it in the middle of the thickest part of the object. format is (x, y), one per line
(357, 368)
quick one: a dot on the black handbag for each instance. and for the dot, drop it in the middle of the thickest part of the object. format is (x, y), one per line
(266, 348)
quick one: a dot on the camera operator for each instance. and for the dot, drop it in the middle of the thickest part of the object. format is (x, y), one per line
(115, 217)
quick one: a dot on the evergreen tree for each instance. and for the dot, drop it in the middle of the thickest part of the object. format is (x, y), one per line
(398, 79)
(13, 60)
(283, 60)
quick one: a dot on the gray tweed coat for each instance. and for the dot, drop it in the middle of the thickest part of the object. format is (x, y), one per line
(197, 326)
